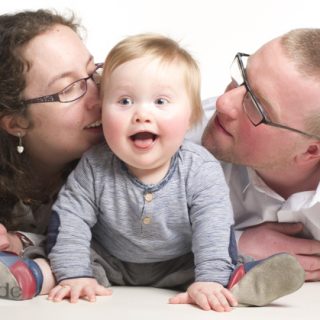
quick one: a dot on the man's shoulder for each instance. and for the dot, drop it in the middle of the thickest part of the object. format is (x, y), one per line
(235, 173)
(209, 104)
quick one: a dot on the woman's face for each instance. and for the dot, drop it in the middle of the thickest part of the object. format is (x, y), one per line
(60, 132)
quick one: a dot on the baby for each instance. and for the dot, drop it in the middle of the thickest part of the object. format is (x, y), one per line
(156, 207)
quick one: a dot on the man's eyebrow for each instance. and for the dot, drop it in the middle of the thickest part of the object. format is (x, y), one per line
(66, 74)
(267, 106)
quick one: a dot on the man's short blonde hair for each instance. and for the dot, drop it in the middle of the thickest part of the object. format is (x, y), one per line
(168, 50)
(303, 48)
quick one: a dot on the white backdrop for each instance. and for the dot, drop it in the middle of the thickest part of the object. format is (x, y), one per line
(212, 30)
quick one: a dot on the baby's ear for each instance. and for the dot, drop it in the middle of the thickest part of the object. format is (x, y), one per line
(14, 124)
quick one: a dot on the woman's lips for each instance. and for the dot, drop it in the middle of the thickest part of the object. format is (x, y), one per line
(94, 125)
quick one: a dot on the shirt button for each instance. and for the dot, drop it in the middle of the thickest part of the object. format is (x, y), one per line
(148, 197)
(147, 220)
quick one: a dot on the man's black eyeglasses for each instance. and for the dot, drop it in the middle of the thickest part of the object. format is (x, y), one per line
(253, 108)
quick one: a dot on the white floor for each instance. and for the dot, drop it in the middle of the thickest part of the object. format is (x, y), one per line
(151, 304)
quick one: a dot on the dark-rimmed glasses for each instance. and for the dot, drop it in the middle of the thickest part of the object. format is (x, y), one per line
(72, 92)
(252, 107)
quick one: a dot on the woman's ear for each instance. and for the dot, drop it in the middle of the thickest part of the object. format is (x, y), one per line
(14, 124)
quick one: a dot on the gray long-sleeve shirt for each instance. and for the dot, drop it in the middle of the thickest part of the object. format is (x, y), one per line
(188, 210)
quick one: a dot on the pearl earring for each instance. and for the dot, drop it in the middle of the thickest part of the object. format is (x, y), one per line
(20, 147)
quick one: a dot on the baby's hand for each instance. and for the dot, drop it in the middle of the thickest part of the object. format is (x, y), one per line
(77, 288)
(208, 296)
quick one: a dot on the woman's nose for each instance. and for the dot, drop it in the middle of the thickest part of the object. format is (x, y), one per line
(92, 96)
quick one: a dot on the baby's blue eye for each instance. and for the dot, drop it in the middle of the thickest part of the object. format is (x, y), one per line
(161, 101)
(126, 101)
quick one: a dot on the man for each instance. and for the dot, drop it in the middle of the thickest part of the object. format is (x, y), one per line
(266, 130)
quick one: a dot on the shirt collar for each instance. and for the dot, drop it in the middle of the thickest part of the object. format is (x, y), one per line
(304, 198)
(260, 185)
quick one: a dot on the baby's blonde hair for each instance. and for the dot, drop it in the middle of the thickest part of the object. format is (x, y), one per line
(168, 50)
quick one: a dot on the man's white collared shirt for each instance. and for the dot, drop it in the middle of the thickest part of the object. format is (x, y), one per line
(254, 202)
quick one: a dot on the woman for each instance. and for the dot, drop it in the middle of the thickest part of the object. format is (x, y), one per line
(49, 115)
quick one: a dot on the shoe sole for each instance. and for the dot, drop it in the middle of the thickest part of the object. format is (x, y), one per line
(275, 277)
(9, 287)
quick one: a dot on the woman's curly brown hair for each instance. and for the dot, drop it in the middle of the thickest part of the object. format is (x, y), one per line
(16, 30)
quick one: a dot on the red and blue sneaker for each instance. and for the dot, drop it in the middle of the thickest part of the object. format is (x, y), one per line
(20, 279)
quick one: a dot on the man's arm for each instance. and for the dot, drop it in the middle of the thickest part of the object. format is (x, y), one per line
(270, 238)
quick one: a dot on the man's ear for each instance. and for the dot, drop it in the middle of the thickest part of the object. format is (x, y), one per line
(311, 153)
(14, 124)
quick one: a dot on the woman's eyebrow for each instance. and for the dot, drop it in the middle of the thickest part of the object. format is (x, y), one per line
(67, 73)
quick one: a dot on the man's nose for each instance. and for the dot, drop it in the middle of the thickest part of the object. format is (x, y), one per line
(230, 102)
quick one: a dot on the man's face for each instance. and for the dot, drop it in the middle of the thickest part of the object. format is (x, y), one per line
(286, 96)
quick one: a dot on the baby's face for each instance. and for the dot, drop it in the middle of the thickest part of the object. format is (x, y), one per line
(146, 112)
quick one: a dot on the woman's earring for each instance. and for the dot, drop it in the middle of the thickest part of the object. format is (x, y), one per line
(20, 147)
